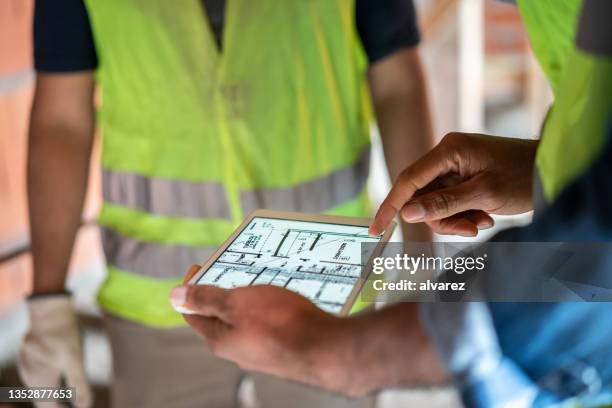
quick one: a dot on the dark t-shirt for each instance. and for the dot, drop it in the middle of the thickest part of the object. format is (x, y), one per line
(63, 40)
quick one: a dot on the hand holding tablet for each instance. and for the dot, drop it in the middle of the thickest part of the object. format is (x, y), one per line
(317, 256)
(286, 272)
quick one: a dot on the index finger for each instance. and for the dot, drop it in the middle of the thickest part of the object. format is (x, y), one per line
(416, 176)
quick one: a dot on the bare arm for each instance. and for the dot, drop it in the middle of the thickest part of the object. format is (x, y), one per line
(272, 330)
(399, 94)
(59, 149)
(384, 349)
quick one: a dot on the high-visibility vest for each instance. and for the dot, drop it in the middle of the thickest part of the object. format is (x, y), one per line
(194, 138)
(574, 132)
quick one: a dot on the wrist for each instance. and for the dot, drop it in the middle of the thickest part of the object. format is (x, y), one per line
(52, 313)
(337, 358)
(46, 282)
(48, 295)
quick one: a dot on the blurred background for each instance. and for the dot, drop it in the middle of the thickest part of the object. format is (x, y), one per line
(482, 78)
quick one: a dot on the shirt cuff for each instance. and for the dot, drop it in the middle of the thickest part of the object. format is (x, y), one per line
(506, 386)
(466, 340)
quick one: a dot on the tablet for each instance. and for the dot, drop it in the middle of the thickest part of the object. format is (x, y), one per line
(318, 256)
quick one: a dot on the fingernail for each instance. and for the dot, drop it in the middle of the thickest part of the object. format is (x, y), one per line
(183, 310)
(484, 225)
(413, 212)
(372, 231)
(178, 296)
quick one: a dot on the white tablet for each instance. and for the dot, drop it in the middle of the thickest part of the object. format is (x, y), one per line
(318, 256)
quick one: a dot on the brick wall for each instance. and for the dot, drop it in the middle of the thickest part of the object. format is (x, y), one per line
(15, 95)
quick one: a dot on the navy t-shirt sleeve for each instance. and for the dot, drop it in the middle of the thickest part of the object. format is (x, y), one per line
(386, 26)
(63, 41)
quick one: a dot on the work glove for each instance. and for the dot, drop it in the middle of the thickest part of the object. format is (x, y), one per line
(51, 350)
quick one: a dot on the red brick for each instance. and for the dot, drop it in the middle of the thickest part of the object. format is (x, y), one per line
(15, 35)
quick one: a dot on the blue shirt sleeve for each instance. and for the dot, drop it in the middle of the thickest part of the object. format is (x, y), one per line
(464, 335)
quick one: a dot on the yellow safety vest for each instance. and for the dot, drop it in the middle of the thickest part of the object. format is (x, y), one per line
(574, 132)
(194, 138)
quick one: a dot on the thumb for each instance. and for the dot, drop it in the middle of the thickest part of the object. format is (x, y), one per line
(204, 300)
(442, 203)
(75, 377)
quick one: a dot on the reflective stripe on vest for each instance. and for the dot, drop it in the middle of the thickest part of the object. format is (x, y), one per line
(149, 259)
(169, 261)
(179, 198)
(165, 197)
(313, 196)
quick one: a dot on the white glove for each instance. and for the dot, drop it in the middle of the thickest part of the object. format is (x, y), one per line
(51, 350)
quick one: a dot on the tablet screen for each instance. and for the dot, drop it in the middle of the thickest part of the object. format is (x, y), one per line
(321, 261)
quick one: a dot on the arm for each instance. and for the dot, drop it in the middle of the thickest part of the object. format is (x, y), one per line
(366, 354)
(399, 95)
(273, 330)
(60, 142)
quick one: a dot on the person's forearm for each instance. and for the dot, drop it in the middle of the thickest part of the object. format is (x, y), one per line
(401, 103)
(58, 167)
(388, 348)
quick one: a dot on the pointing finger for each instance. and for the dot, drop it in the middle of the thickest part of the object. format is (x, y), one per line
(415, 177)
(442, 203)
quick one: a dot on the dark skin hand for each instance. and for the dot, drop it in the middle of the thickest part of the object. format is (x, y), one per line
(455, 187)
(399, 97)
(279, 332)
